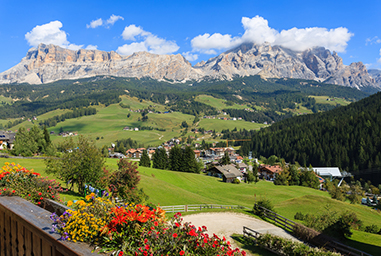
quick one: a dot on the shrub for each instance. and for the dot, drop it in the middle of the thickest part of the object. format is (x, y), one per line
(374, 229)
(288, 247)
(265, 203)
(299, 216)
(236, 181)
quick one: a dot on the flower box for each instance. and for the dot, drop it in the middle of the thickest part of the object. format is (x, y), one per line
(26, 229)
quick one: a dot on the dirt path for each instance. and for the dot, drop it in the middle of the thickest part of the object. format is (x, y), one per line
(226, 224)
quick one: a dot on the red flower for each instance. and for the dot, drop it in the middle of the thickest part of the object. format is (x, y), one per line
(39, 193)
(182, 253)
(156, 223)
(177, 224)
(39, 203)
(13, 191)
(174, 235)
(120, 253)
(41, 198)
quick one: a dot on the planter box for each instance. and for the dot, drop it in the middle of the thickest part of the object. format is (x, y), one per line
(26, 229)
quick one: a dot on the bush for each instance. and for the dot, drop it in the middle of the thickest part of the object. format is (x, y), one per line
(265, 203)
(288, 247)
(299, 216)
(236, 181)
(374, 229)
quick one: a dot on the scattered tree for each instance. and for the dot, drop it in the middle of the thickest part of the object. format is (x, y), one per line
(80, 162)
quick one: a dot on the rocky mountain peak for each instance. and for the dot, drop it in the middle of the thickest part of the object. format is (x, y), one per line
(48, 63)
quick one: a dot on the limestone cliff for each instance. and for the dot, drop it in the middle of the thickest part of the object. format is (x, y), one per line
(49, 63)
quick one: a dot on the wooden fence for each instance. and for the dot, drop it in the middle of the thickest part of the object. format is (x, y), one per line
(199, 207)
(25, 229)
(324, 241)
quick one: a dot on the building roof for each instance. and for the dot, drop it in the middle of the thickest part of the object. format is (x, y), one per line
(229, 171)
(328, 171)
(271, 168)
(242, 165)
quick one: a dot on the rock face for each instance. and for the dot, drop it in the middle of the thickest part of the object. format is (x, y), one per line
(50, 63)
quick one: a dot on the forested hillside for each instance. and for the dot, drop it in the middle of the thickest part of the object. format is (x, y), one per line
(271, 100)
(348, 137)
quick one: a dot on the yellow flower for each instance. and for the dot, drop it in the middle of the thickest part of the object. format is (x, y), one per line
(70, 203)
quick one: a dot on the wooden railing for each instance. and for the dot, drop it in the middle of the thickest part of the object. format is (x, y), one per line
(283, 222)
(324, 241)
(199, 207)
(25, 229)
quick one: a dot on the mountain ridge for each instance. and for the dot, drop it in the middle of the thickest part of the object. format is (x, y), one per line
(49, 63)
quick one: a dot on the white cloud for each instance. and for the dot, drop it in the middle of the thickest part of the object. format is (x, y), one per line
(379, 60)
(114, 18)
(130, 32)
(109, 22)
(91, 47)
(374, 40)
(205, 42)
(258, 31)
(190, 56)
(147, 42)
(49, 33)
(129, 49)
(95, 23)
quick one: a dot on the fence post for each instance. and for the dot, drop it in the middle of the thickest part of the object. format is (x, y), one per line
(186, 208)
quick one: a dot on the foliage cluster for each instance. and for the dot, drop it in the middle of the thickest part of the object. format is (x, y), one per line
(136, 230)
(263, 203)
(33, 142)
(122, 145)
(80, 163)
(15, 180)
(123, 182)
(287, 247)
(181, 160)
(331, 223)
(292, 175)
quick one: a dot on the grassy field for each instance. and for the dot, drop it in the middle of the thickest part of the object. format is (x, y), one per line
(330, 101)
(219, 125)
(219, 104)
(107, 125)
(188, 188)
(4, 100)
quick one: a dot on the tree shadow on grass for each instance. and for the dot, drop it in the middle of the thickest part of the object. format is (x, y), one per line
(368, 248)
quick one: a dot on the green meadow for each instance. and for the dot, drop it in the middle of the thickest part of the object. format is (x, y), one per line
(176, 188)
(219, 104)
(107, 125)
(330, 100)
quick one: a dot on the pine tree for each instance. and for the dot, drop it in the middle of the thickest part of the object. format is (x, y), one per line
(189, 163)
(175, 159)
(144, 159)
(160, 159)
(225, 159)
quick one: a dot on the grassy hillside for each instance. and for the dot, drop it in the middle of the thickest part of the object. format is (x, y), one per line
(107, 125)
(176, 188)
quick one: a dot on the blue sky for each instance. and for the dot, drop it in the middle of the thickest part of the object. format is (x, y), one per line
(197, 29)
